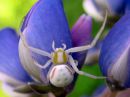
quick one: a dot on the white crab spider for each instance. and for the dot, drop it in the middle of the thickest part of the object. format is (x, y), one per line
(61, 73)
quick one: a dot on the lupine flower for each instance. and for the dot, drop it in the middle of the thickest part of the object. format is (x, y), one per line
(93, 10)
(45, 22)
(11, 71)
(81, 33)
(114, 57)
(116, 8)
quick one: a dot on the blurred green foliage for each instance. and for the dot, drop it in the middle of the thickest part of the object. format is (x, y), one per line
(12, 13)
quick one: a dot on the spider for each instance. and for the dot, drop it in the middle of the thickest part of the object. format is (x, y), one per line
(64, 66)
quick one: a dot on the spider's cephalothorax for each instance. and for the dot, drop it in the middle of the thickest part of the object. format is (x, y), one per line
(59, 56)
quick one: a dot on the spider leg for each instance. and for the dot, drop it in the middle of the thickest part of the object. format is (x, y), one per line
(72, 63)
(64, 46)
(40, 52)
(35, 50)
(83, 48)
(43, 66)
(53, 46)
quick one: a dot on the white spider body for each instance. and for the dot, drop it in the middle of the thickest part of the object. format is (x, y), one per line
(61, 75)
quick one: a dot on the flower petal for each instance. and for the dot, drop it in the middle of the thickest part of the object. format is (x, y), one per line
(47, 23)
(26, 19)
(81, 31)
(97, 8)
(9, 58)
(127, 6)
(114, 6)
(81, 35)
(114, 57)
(93, 9)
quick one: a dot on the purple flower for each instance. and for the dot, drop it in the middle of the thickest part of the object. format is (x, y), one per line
(114, 57)
(11, 71)
(45, 23)
(81, 31)
(116, 8)
(81, 34)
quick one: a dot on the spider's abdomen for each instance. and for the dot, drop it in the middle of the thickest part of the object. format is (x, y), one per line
(61, 75)
(59, 57)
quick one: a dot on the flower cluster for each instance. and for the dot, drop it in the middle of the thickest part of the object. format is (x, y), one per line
(44, 24)
(45, 57)
(114, 52)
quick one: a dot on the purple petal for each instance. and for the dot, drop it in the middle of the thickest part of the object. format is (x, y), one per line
(81, 35)
(26, 19)
(97, 8)
(81, 31)
(9, 59)
(47, 23)
(114, 56)
(114, 6)
(117, 6)
(127, 6)
(93, 9)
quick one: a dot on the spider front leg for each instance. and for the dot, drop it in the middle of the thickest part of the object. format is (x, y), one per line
(40, 52)
(74, 66)
(35, 50)
(93, 43)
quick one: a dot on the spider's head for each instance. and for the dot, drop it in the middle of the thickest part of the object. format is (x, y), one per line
(59, 56)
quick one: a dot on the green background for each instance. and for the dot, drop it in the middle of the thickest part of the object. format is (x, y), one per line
(12, 13)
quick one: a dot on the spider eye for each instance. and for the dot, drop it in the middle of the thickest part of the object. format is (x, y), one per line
(61, 76)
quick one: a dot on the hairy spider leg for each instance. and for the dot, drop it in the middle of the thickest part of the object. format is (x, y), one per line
(37, 51)
(53, 46)
(64, 46)
(93, 43)
(40, 52)
(73, 64)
